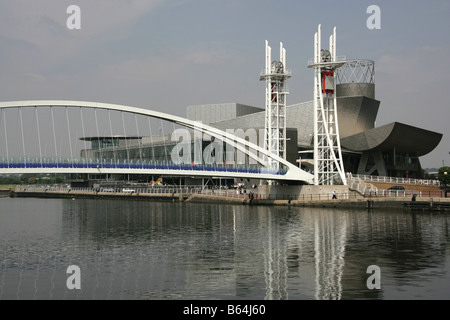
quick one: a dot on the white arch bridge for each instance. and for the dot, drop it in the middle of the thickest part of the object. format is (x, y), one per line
(51, 136)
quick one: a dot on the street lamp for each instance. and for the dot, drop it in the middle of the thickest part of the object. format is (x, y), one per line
(445, 184)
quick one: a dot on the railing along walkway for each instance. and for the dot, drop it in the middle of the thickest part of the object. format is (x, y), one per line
(427, 182)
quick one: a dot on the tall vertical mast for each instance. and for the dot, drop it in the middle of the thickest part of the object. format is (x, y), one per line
(328, 162)
(275, 75)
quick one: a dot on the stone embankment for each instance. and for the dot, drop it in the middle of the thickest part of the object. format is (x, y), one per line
(303, 197)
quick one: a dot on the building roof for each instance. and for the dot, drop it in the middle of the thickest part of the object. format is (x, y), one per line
(402, 137)
(356, 114)
(117, 137)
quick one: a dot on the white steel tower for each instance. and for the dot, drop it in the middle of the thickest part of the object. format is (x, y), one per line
(328, 163)
(275, 75)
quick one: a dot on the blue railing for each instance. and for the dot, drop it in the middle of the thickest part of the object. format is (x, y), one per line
(37, 163)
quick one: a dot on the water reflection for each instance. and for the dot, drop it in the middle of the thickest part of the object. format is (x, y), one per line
(165, 250)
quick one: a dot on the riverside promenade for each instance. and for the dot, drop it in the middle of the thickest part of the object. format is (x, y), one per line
(299, 196)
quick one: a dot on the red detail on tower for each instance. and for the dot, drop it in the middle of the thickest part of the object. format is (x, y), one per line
(327, 82)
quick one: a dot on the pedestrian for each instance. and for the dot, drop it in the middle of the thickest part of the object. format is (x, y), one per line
(251, 196)
(334, 195)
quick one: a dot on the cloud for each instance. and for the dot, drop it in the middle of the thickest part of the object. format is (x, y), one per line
(214, 53)
(177, 78)
(410, 82)
(149, 70)
(408, 70)
(36, 41)
(43, 22)
(413, 87)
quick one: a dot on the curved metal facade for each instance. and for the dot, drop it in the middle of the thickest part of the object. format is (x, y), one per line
(398, 136)
(355, 90)
(356, 114)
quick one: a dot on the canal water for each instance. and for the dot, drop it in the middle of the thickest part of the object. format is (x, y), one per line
(170, 250)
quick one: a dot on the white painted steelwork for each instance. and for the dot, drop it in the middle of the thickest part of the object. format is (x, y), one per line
(356, 71)
(293, 172)
(328, 163)
(275, 75)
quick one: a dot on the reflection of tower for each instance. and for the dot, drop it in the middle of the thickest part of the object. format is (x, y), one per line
(330, 238)
(275, 75)
(328, 163)
(275, 264)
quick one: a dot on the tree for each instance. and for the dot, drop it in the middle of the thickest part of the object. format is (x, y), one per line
(444, 177)
(9, 180)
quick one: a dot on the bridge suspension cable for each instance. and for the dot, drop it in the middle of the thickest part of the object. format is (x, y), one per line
(123, 140)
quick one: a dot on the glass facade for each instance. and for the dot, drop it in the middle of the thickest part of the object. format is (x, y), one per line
(215, 156)
(402, 164)
(105, 143)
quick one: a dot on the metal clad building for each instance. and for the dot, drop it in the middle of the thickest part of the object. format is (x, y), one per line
(390, 150)
(211, 113)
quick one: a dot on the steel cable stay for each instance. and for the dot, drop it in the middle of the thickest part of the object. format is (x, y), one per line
(54, 137)
(84, 134)
(126, 139)
(70, 139)
(98, 135)
(38, 134)
(177, 147)
(22, 136)
(161, 129)
(140, 143)
(150, 153)
(6, 137)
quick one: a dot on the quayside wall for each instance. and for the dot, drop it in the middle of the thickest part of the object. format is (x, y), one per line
(298, 196)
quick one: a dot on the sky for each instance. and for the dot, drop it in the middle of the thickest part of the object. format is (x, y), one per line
(165, 55)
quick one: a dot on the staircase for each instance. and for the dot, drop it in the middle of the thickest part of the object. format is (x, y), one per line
(360, 186)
